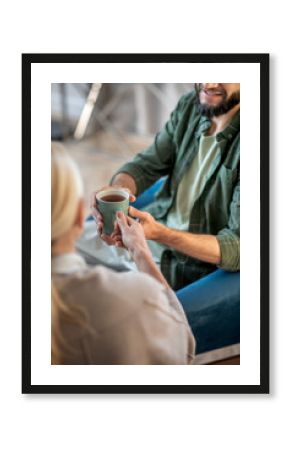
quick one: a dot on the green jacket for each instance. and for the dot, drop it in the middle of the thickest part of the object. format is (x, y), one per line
(217, 210)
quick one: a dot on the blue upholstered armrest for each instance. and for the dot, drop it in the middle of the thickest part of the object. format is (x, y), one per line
(147, 196)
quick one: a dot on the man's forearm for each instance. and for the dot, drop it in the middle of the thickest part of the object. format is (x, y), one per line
(200, 246)
(125, 180)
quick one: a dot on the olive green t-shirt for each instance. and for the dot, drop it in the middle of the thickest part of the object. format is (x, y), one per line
(190, 188)
(192, 183)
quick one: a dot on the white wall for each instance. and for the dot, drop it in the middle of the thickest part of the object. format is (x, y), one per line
(140, 422)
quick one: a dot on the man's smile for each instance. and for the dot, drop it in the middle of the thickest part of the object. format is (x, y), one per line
(211, 95)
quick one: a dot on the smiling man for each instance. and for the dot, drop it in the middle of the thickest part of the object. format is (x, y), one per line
(215, 99)
(193, 223)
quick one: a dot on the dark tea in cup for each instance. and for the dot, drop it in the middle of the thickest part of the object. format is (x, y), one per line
(113, 198)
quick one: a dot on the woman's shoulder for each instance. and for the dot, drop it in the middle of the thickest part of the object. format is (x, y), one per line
(108, 280)
(137, 292)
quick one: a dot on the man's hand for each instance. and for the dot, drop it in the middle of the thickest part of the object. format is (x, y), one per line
(98, 216)
(151, 227)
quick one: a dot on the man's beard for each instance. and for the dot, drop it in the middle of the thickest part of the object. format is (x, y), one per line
(226, 104)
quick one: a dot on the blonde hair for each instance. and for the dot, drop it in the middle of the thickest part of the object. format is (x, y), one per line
(66, 192)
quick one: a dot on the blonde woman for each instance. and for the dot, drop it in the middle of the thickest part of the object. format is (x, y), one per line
(100, 316)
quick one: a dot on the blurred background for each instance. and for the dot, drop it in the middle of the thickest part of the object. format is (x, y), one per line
(104, 125)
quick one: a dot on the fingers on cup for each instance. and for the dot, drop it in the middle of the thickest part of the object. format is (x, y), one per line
(116, 233)
(121, 219)
(130, 221)
(93, 201)
(135, 212)
(97, 216)
(100, 228)
(107, 239)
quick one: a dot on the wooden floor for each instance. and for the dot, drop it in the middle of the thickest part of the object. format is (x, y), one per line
(99, 156)
(235, 361)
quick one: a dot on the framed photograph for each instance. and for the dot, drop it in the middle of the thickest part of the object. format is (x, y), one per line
(150, 117)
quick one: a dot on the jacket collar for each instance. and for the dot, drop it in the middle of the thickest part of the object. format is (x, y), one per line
(232, 129)
(228, 133)
(67, 263)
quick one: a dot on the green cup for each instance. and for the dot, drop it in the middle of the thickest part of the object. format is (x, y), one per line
(109, 202)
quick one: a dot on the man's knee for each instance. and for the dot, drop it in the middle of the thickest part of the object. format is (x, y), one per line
(212, 306)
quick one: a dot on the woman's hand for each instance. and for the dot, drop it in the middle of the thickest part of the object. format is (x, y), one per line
(130, 235)
(98, 216)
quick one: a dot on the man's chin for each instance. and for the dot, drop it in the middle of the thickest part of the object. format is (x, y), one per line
(211, 99)
(211, 108)
(212, 104)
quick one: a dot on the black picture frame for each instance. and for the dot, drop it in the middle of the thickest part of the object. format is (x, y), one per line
(263, 61)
